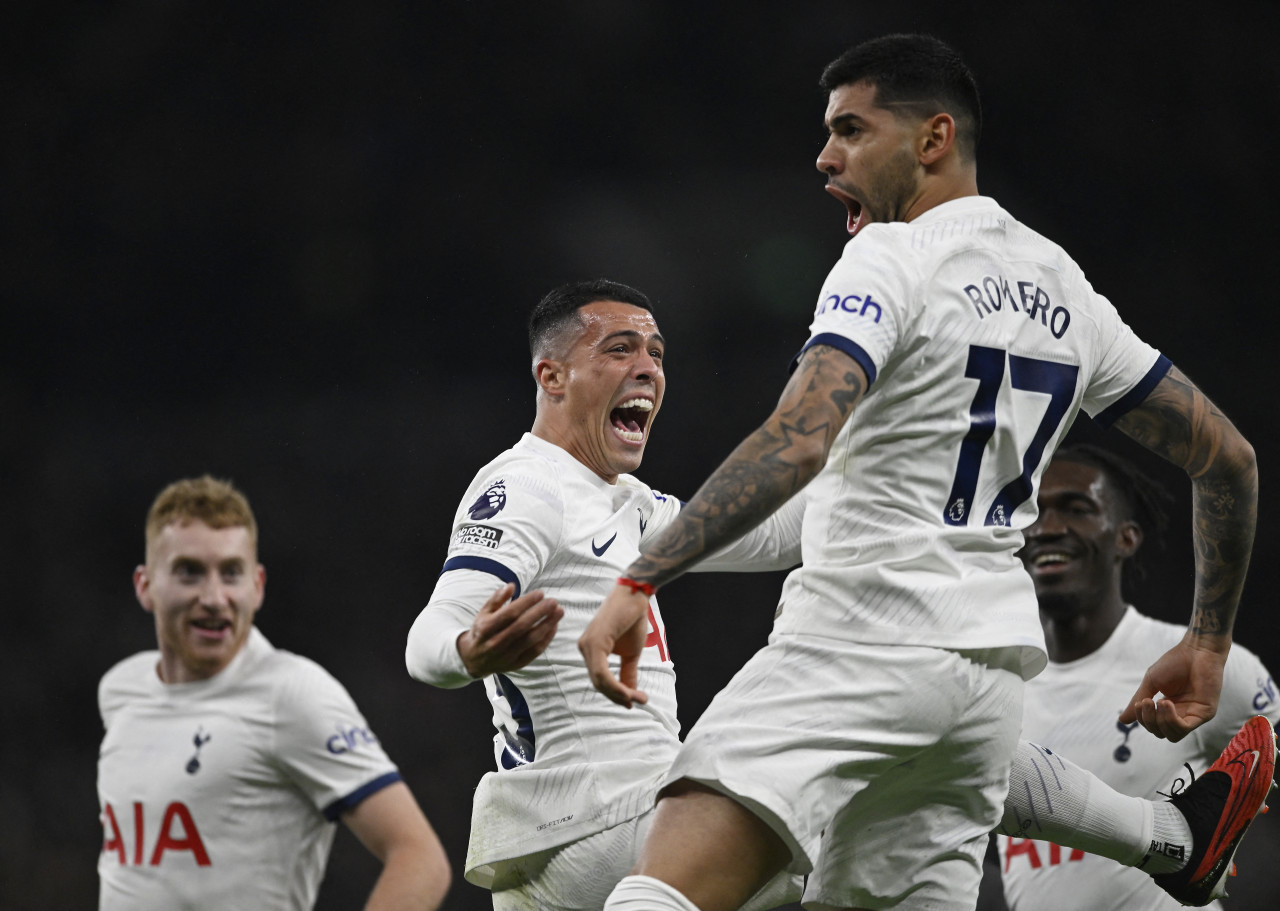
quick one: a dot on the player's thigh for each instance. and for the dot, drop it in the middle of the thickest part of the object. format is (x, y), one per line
(810, 721)
(915, 837)
(575, 877)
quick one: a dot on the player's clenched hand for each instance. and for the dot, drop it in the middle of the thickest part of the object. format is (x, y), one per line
(619, 627)
(506, 635)
(1190, 680)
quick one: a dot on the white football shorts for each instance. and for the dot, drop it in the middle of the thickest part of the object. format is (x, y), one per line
(580, 875)
(883, 768)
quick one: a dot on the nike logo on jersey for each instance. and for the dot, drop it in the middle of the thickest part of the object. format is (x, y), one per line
(599, 551)
(643, 523)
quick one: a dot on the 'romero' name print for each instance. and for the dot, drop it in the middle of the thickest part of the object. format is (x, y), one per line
(994, 292)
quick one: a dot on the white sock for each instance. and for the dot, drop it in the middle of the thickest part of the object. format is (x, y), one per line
(1170, 840)
(644, 893)
(1053, 799)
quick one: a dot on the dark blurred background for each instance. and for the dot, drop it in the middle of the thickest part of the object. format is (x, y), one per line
(295, 246)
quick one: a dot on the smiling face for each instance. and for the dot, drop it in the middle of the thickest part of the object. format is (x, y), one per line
(871, 158)
(204, 585)
(600, 393)
(1077, 547)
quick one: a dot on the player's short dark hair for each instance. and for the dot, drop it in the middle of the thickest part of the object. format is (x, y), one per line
(1142, 500)
(917, 72)
(559, 307)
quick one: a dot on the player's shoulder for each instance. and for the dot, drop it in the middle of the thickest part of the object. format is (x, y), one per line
(1147, 626)
(631, 482)
(902, 255)
(126, 680)
(290, 685)
(531, 467)
(957, 221)
(280, 664)
(1144, 638)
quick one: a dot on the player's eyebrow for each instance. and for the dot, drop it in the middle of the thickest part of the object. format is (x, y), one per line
(1072, 498)
(632, 333)
(842, 120)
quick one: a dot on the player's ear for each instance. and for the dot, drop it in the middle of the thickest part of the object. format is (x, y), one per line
(1128, 538)
(550, 375)
(142, 587)
(937, 138)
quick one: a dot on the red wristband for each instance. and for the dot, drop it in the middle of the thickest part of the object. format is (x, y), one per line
(643, 587)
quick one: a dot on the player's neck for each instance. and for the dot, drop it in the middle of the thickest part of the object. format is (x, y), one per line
(573, 444)
(1072, 631)
(954, 183)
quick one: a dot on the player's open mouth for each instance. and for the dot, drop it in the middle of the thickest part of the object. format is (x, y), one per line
(630, 418)
(855, 221)
(211, 628)
(1049, 561)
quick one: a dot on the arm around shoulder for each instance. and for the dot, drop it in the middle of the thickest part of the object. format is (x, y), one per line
(415, 870)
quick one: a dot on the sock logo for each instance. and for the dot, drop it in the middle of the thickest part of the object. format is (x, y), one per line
(1177, 852)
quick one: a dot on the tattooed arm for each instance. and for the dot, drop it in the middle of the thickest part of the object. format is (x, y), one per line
(767, 469)
(1178, 422)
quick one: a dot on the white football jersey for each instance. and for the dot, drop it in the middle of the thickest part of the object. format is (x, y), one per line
(570, 762)
(222, 793)
(1072, 709)
(981, 340)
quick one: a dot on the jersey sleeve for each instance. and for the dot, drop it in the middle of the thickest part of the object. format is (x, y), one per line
(431, 654)
(1127, 369)
(509, 530)
(865, 302)
(508, 527)
(323, 743)
(663, 509)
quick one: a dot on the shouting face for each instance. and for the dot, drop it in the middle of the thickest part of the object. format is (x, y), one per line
(604, 388)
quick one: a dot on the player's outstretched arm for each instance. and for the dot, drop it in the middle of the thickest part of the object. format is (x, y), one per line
(761, 474)
(468, 630)
(415, 870)
(1178, 422)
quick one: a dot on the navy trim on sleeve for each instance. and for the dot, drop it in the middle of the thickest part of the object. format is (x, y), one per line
(851, 348)
(485, 565)
(1135, 396)
(352, 800)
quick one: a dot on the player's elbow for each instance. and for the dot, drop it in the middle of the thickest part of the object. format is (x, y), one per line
(438, 875)
(1244, 459)
(418, 870)
(417, 658)
(810, 457)
(435, 876)
(1235, 463)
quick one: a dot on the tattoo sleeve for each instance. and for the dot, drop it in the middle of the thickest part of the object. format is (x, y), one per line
(765, 470)
(1178, 422)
